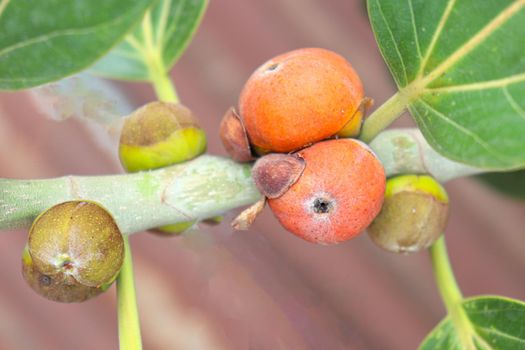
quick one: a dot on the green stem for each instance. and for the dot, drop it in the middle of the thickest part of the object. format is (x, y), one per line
(451, 294)
(162, 84)
(201, 188)
(384, 116)
(445, 279)
(128, 317)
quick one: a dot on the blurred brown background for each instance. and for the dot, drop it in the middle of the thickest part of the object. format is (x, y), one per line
(262, 289)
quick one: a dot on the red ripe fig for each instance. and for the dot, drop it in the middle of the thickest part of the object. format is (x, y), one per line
(338, 194)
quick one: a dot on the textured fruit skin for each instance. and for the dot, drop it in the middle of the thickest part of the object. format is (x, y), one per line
(58, 287)
(414, 214)
(299, 98)
(338, 195)
(160, 134)
(74, 250)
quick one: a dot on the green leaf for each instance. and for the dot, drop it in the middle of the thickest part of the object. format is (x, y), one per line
(494, 323)
(460, 69)
(157, 44)
(43, 41)
(511, 183)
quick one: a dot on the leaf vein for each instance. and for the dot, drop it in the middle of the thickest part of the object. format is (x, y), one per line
(464, 130)
(494, 310)
(489, 84)
(173, 26)
(513, 103)
(435, 37)
(413, 18)
(500, 333)
(475, 40)
(3, 5)
(59, 33)
(161, 26)
(133, 55)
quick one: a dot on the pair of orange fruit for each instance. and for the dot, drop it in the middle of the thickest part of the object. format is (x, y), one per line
(299, 110)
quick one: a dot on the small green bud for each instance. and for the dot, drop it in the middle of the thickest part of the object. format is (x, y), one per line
(181, 227)
(74, 252)
(173, 229)
(160, 134)
(413, 216)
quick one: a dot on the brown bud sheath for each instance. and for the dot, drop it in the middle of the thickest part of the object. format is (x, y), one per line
(246, 218)
(234, 137)
(275, 173)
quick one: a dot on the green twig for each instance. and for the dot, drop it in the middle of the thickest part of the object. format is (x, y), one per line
(384, 116)
(158, 72)
(129, 323)
(201, 188)
(128, 317)
(163, 86)
(445, 279)
(159, 77)
(451, 294)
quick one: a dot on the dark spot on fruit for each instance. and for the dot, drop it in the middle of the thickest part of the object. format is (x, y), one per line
(67, 265)
(322, 205)
(272, 67)
(45, 280)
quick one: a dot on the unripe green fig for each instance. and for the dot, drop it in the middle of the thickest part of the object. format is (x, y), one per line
(160, 134)
(74, 252)
(413, 216)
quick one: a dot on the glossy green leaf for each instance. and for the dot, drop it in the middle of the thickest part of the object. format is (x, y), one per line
(460, 68)
(156, 44)
(494, 323)
(43, 41)
(512, 183)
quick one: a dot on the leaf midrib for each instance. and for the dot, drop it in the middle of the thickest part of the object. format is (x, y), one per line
(3, 5)
(59, 33)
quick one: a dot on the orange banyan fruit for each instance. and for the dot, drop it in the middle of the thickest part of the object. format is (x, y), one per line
(338, 194)
(299, 98)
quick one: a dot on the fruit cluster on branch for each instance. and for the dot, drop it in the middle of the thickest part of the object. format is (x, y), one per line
(298, 114)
